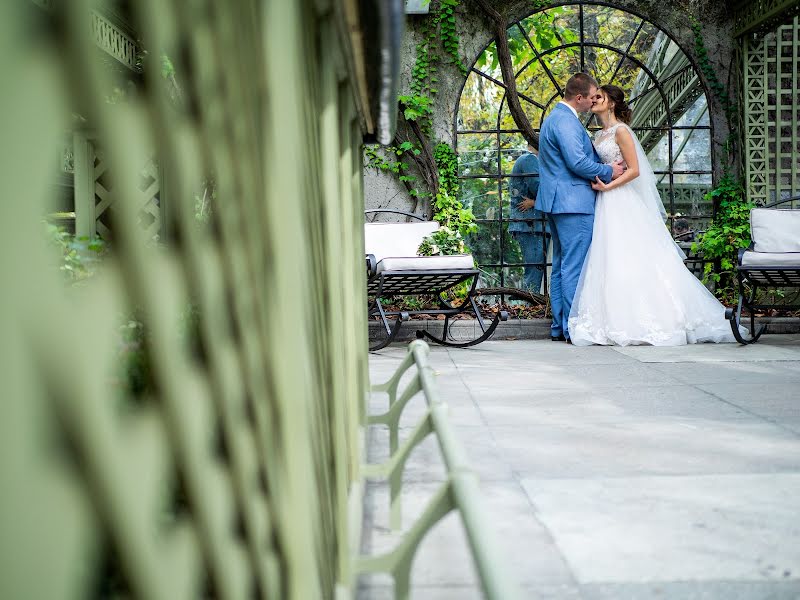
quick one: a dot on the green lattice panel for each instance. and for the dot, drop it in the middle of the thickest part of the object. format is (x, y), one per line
(772, 116)
(228, 474)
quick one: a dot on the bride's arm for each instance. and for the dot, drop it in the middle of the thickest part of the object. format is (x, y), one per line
(628, 149)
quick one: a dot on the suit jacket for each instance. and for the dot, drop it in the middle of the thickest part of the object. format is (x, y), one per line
(568, 164)
(526, 186)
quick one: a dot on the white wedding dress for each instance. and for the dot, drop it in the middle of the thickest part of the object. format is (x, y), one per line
(634, 287)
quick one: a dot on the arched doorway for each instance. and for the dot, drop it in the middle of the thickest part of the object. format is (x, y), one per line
(615, 46)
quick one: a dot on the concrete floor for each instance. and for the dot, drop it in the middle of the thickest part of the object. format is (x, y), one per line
(610, 473)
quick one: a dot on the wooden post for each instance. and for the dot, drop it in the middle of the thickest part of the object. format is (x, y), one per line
(84, 186)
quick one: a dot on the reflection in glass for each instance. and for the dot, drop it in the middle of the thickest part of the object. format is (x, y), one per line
(479, 101)
(609, 26)
(696, 115)
(477, 154)
(658, 154)
(691, 150)
(482, 196)
(512, 146)
(484, 244)
(488, 62)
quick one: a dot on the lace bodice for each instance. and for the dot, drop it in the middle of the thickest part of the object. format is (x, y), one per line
(605, 142)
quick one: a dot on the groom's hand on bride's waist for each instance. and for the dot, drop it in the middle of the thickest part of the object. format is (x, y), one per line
(617, 168)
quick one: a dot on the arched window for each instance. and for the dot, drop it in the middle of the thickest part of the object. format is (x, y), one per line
(615, 46)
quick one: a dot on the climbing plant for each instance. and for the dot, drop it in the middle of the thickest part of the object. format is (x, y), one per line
(449, 211)
(727, 233)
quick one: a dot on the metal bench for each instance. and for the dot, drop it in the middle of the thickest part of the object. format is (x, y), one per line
(771, 261)
(394, 269)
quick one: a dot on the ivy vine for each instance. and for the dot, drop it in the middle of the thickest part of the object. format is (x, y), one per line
(449, 211)
(447, 32)
(719, 89)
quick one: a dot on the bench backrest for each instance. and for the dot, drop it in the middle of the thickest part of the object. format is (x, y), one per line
(396, 239)
(775, 230)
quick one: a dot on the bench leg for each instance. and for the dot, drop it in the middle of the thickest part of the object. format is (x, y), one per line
(487, 333)
(735, 318)
(391, 332)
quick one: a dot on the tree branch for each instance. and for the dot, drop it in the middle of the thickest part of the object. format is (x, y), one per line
(507, 68)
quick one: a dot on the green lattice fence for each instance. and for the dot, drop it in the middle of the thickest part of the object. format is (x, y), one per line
(229, 474)
(771, 63)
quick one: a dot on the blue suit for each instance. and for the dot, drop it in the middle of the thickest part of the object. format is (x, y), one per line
(528, 227)
(568, 164)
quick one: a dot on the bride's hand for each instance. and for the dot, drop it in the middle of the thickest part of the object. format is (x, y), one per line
(599, 186)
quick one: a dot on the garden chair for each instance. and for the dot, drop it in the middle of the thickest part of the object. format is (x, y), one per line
(394, 269)
(771, 261)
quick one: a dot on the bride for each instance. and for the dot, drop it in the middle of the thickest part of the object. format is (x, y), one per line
(634, 287)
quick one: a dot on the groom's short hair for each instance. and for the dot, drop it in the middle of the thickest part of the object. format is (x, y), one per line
(579, 84)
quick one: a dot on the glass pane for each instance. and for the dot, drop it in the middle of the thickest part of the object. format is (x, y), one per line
(696, 114)
(477, 109)
(691, 150)
(553, 27)
(609, 26)
(629, 76)
(490, 248)
(491, 277)
(603, 64)
(488, 63)
(534, 83)
(534, 114)
(656, 146)
(477, 154)
(512, 146)
(482, 196)
(484, 244)
(688, 196)
(643, 44)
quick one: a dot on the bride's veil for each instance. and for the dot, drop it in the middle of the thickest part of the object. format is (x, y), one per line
(645, 184)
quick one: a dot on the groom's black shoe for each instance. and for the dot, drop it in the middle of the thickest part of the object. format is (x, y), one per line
(558, 338)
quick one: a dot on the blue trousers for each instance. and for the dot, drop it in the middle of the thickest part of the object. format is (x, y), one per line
(572, 236)
(534, 252)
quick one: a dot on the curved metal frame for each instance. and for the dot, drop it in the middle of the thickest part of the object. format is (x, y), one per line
(381, 284)
(422, 217)
(658, 85)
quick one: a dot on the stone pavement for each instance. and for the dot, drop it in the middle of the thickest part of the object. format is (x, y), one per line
(611, 473)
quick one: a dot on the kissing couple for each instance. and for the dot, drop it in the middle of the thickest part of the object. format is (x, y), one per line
(618, 278)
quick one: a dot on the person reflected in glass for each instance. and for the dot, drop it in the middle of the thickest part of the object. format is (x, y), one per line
(527, 225)
(682, 232)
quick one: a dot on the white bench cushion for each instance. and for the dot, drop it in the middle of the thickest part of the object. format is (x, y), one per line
(396, 239)
(775, 230)
(771, 259)
(426, 263)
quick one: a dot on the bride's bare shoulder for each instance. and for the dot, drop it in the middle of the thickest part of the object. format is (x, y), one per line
(622, 132)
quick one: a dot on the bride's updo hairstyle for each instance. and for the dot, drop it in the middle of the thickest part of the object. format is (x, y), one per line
(622, 111)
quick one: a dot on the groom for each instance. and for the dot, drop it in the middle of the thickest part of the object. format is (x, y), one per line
(568, 164)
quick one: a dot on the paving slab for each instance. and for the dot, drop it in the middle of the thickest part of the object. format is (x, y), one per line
(713, 353)
(692, 590)
(611, 473)
(760, 372)
(604, 405)
(716, 527)
(664, 446)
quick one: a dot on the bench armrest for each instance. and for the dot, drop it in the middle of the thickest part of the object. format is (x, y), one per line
(742, 251)
(372, 265)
